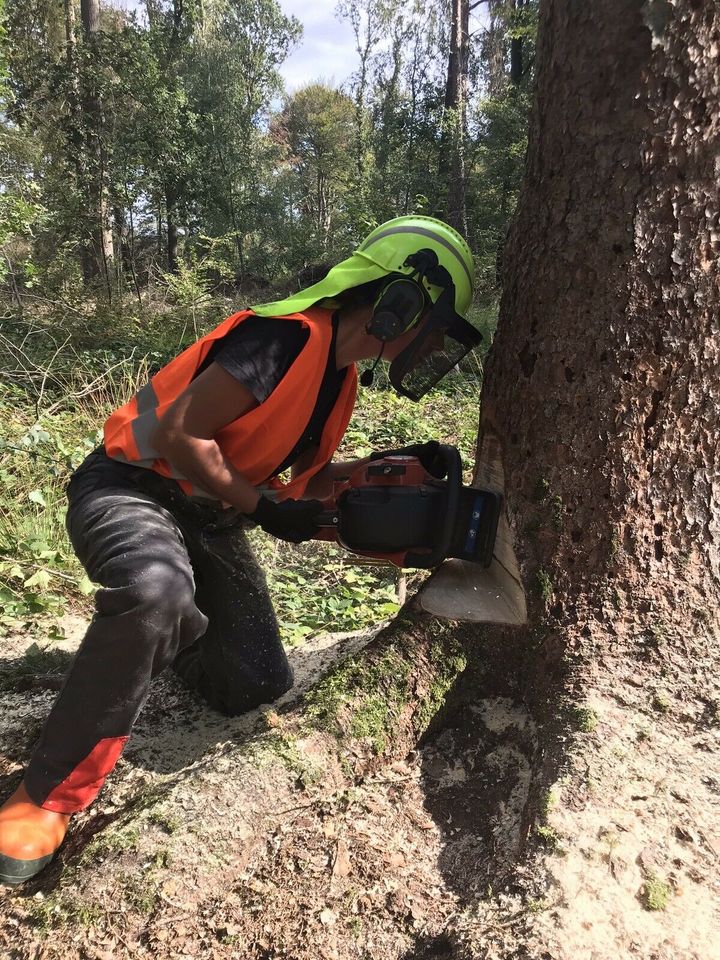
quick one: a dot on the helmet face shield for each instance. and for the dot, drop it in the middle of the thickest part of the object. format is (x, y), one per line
(440, 344)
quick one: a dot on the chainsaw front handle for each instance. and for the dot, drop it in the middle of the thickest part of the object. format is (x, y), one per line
(453, 463)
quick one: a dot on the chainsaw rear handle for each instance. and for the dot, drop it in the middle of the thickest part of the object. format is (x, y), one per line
(453, 463)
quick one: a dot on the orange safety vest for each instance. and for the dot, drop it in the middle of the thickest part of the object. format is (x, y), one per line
(260, 439)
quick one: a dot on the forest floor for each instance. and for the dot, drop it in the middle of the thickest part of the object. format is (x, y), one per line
(267, 837)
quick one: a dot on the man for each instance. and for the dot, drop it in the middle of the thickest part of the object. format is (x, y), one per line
(156, 514)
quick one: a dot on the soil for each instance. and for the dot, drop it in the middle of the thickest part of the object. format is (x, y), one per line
(266, 837)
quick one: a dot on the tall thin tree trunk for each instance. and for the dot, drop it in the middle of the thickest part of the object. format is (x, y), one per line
(97, 174)
(159, 234)
(123, 237)
(494, 50)
(131, 254)
(172, 234)
(516, 50)
(452, 156)
(75, 135)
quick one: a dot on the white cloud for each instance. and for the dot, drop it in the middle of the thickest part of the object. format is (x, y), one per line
(327, 48)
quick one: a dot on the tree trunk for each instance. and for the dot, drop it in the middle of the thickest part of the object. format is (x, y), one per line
(602, 395)
(122, 231)
(97, 173)
(172, 234)
(603, 384)
(75, 132)
(368, 20)
(516, 51)
(452, 153)
(493, 50)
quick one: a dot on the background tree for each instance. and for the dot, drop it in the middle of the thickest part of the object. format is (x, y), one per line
(96, 161)
(153, 133)
(317, 129)
(368, 19)
(452, 150)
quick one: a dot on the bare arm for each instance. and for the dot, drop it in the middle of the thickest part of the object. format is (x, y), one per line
(185, 436)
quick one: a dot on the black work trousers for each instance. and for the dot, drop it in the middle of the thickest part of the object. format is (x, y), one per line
(179, 587)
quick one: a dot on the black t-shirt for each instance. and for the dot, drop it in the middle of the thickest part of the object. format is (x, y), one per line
(259, 352)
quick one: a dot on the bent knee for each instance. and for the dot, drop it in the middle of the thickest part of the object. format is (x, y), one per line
(164, 588)
(158, 605)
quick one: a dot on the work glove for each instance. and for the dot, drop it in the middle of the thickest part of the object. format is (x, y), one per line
(292, 520)
(427, 453)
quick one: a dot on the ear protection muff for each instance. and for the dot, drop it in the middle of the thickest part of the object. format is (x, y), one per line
(399, 306)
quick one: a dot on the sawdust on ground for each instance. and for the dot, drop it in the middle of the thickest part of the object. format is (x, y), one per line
(417, 860)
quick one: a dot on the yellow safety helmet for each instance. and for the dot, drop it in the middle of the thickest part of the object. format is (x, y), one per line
(430, 253)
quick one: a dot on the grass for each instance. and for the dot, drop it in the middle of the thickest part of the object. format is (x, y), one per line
(107, 843)
(283, 747)
(168, 822)
(17, 675)
(549, 839)
(584, 719)
(660, 703)
(61, 909)
(537, 905)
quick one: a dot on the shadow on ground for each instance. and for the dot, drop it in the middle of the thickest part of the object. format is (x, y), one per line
(480, 762)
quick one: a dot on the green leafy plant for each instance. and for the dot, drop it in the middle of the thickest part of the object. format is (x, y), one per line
(655, 893)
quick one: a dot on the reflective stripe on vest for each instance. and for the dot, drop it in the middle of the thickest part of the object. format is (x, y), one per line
(264, 436)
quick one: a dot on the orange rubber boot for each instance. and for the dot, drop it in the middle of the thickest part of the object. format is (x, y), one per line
(29, 837)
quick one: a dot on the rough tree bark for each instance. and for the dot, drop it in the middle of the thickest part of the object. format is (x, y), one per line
(601, 402)
(603, 385)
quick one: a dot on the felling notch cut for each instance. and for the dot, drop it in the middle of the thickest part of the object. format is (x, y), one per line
(459, 590)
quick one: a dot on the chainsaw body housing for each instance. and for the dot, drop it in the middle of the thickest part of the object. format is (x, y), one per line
(393, 510)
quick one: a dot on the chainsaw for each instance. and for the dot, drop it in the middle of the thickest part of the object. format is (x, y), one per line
(393, 510)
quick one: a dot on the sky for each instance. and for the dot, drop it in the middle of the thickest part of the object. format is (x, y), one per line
(327, 48)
